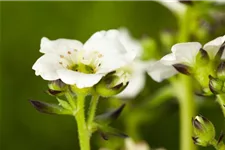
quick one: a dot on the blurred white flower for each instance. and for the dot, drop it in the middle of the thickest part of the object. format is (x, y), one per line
(82, 64)
(136, 69)
(131, 145)
(174, 5)
(183, 53)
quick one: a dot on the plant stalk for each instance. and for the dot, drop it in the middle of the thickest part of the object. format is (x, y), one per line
(83, 132)
(92, 110)
(184, 92)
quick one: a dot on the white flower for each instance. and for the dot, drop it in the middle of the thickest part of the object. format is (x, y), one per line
(131, 145)
(183, 53)
(82, 64)
(136, 69)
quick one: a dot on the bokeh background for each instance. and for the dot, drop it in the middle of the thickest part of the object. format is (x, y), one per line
(23, 24)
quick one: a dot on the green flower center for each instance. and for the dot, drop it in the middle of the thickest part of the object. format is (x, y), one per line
(83, 68)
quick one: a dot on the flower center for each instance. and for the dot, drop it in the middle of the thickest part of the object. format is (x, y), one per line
(81, 61)
(82, 68)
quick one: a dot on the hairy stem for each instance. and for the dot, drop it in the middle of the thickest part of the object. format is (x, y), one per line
(92, 110)
(83, 133)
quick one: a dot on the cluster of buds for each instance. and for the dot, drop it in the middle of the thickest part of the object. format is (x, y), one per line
(204, 133)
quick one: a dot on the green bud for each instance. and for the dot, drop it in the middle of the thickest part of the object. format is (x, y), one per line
(109, 86)
(204, 131)
(56, 88)
(202, 57)
(216, 85)
(221, 71)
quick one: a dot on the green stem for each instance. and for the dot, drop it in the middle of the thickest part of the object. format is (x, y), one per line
(221, 101)
(70, 99)
(83, 133)
(92, 110)
(184, 93)
(217, 146)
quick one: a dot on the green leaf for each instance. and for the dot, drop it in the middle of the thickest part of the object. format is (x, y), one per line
(64, 104)
(109, 117)
(47, 108)
(107, 131)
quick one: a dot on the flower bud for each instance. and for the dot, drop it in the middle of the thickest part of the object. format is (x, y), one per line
(204, 131)
(216, 85)
(56, 88)
(221, 71)
(110, 85)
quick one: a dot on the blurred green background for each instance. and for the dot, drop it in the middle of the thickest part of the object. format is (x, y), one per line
(23, 24)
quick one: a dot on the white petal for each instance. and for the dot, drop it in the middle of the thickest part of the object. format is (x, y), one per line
(59, 46)
(114, 54)
(81, 80)
(46, 66)
(129, 43)
(137, 80)
(169, 59)
(159, 71)
(213, 46)
(186, 52)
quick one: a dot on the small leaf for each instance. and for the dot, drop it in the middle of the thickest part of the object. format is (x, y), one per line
(109, 117)
(220, 137)
(106, 131)
(64, 104)
(47, 108)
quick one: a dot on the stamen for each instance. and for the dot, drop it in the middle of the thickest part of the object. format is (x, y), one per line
(61, 56)
(69, 52)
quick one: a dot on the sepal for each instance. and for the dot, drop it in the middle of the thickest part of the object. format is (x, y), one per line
(202, 57)
(109, 117)
(64, 104)
(184, 69)
(216, 85)
(48, 108)
(107, 131)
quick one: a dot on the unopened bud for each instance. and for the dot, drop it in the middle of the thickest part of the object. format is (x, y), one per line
(109, 86)
(56, 88)
(204, 131)
(216, 85)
